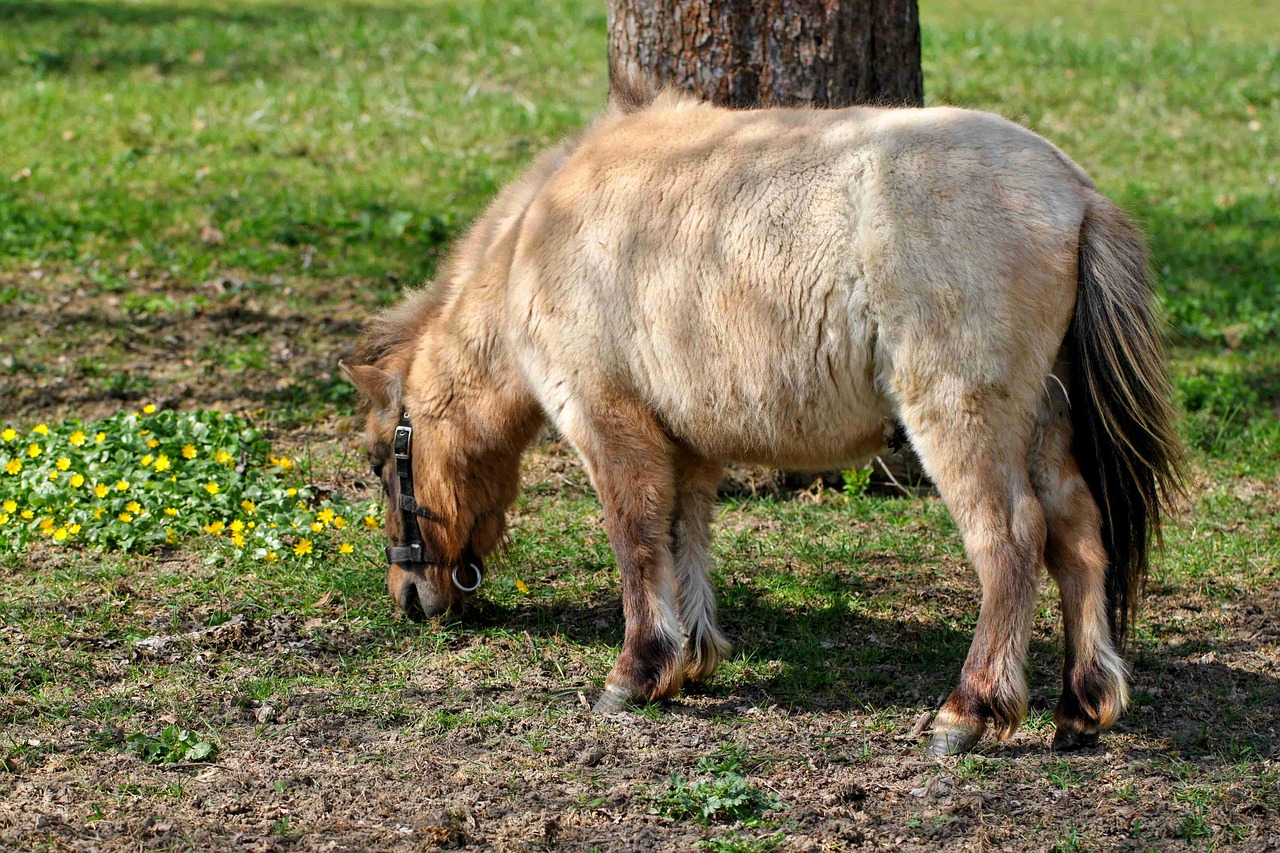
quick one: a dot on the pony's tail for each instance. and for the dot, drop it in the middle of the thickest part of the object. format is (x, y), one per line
(1123, 418)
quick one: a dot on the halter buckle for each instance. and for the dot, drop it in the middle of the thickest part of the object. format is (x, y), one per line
(400, 444)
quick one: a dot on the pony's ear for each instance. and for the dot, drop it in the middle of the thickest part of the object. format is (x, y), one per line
(374, 384)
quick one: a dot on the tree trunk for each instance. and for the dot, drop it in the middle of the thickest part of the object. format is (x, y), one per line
(750, 53)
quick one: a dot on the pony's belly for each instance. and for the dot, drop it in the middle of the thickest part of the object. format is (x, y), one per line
(809, 439)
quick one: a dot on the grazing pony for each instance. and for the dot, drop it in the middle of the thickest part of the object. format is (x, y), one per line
(681, 285)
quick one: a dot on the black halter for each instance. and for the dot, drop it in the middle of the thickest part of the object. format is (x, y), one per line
(414, 551)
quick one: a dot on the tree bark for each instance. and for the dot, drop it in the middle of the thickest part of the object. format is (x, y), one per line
(750, 53)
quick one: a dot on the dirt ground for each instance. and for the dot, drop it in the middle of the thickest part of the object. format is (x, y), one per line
(308, 775)
(464, 751)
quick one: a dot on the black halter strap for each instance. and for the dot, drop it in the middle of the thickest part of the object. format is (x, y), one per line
(414, 551)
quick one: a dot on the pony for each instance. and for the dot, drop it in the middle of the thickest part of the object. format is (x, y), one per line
(682, 285)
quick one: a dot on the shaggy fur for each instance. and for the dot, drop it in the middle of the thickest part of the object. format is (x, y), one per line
(683, 285)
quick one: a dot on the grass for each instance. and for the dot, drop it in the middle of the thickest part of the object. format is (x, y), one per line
(203, 198)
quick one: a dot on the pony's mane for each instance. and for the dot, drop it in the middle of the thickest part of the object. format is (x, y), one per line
(391, 332)
(633, 93)
(393, 328)
(387, 337)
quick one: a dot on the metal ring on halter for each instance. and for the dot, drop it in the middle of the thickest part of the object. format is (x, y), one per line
(458, 583)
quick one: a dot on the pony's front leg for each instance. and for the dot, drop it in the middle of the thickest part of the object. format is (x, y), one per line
(630, 461)
(696, 483)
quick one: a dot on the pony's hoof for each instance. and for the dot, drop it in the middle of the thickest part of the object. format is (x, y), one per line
(1065, 740)
(614, 700)
(952, 740)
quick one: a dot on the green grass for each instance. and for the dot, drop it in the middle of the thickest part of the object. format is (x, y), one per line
(209, 195)
(358, 135)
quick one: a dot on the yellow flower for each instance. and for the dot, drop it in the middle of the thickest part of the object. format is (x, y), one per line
(324, 516)
(316, 526)
(97, 514)
(9, 434)
(13, 466)
(237, 539)
(33, 451)
(144, 432)
(522, 586)
(77, 480)
(9, 506)
(370, 521)
(60, 534)
(292, 492)
(99, 438)
(169, 535)
(272, 556)
(152, 443)
(133, 507)
(162, 463)
(149, 409)
(301, 504)
(101, 490)
(122, 486)
(237, 525)
(41, 428)
(302, 548)
(46, 524)
(215, 528)
(189, 452)
(222, 457)
(170, 511)
(251, 525)
(248, 506)
(345, 548)
(284, 463)
(211, 488)
(76, 438)
(63, 463)
(125, 517)
(147, 460)
(4, 518)
(339, 522)
(28, 514)
(73, 529)
(53, 475)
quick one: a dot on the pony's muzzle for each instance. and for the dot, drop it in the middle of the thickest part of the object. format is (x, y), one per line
(415, 593)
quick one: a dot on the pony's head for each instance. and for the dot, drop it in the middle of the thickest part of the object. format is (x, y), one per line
(445, 441)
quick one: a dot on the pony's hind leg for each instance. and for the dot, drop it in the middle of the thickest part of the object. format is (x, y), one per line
(631, 463)
(1094, 690)
(696, 483)
(975, 451)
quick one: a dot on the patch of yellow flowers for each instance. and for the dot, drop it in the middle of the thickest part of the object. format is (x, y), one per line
(149, 479)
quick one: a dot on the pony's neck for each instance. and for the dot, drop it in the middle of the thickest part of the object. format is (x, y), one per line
(464, 343)
(463, 366)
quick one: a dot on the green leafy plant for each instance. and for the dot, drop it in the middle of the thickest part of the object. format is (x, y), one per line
(141, 481)
(171, 746)
(727, 797)
(856, 481)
